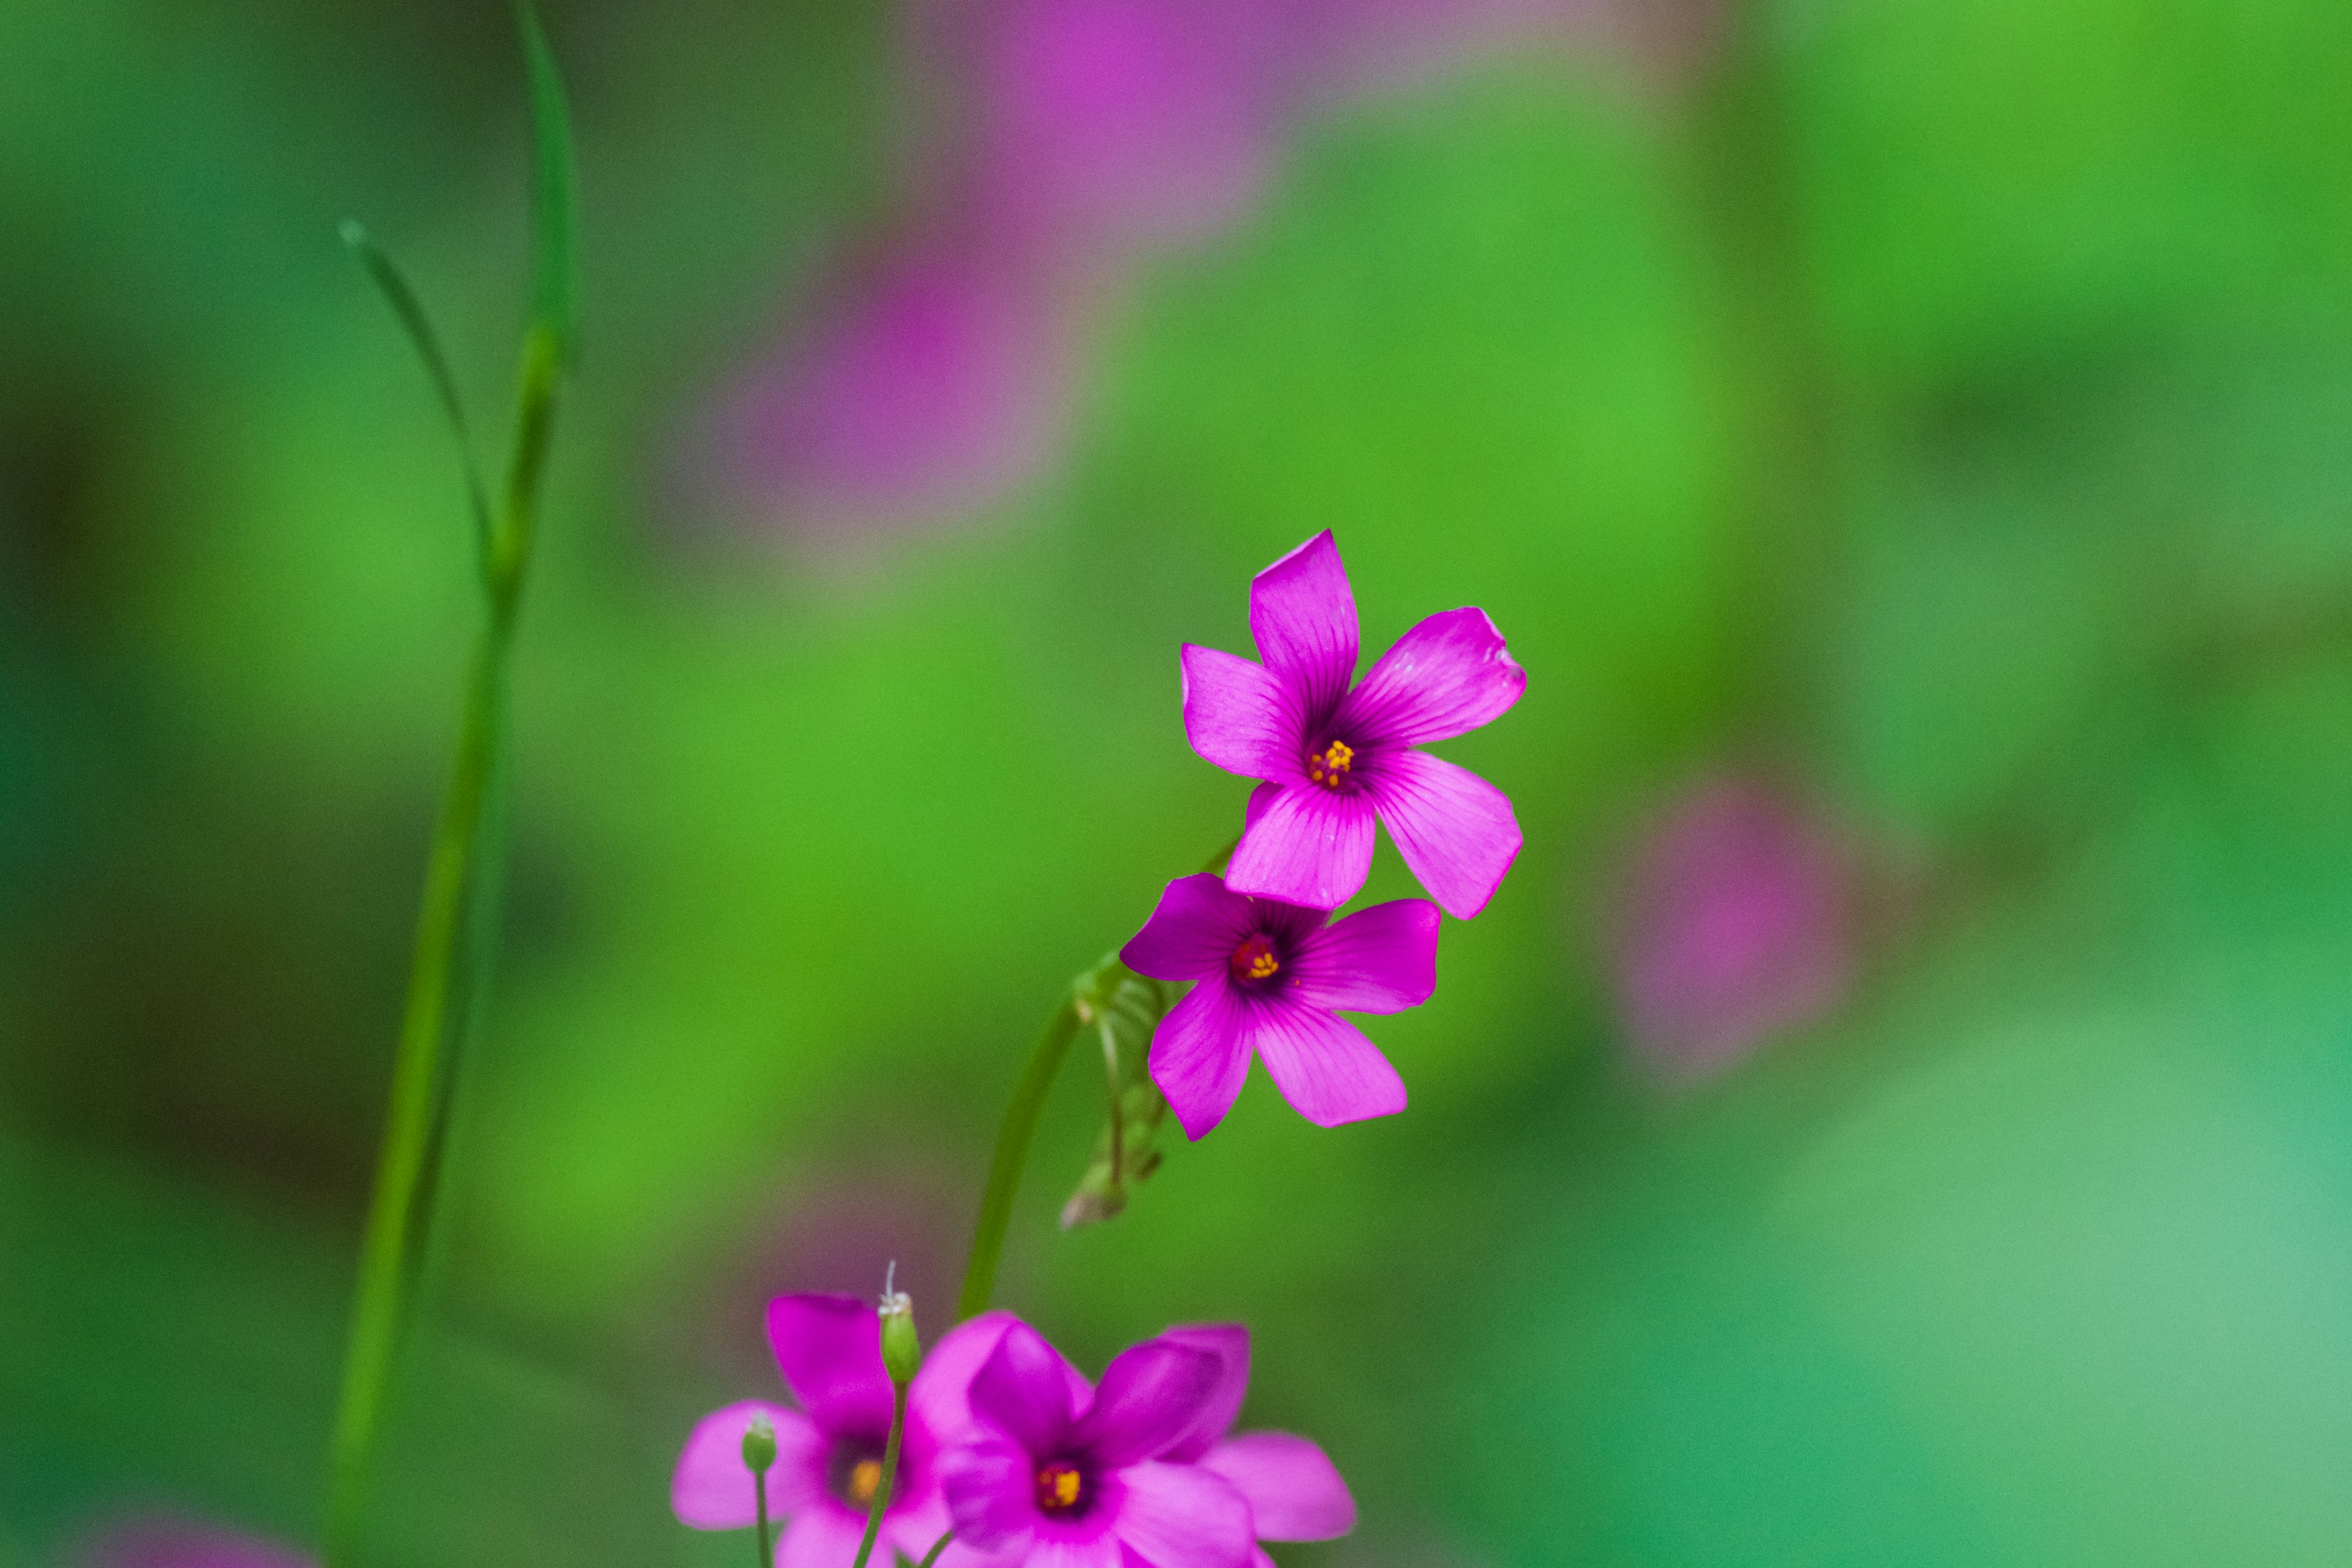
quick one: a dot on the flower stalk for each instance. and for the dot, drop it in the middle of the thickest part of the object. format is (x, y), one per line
(881, 1504)
(448, 974)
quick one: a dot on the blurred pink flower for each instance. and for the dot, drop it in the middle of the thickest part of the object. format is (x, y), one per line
(1734, 926)
(936, 378)
(164, 1540)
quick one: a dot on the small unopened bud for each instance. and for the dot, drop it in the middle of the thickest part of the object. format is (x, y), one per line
(902, 1351)
(759, 1444)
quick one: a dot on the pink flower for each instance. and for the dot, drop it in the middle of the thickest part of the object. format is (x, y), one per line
(164, 1542)
(829, 1452)
(1294, 1490)
(1054, 1472)
(1268, 977)
(1334, 759)
(1734, 926)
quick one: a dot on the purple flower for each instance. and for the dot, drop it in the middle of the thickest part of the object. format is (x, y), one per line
(1734, 926)
(164, 1541)
(1294, 1490)
(1269, 975)
(1334, 759)
(829, 1452)
(1054, 1473)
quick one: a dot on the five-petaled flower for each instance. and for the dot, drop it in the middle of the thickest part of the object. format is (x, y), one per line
(1268, 977)
(1334, 759)
(829, 1452)
(1053, 1472)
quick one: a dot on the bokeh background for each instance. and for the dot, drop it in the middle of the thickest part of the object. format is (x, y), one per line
(1899, 1107)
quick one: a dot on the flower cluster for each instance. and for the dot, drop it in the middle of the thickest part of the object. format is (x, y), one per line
(996, 1451)
(1006, 1453)
(1334, 755)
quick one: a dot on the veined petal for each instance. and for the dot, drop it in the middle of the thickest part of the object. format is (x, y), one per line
(1241, 716)
(829, 1349)
(1149, 1398)
(1308, 847)
(1023, 1390)
(990, 1483)
(1453, 828)
(1303, 615)
(1230, 1343)
(711, 1488)
(1201, 1055)
(824, 1536)
(1444, 677)
(1193, 932)
(1326, 1067)
(1293, 1490)
(1183, 1516)
(1379, 960)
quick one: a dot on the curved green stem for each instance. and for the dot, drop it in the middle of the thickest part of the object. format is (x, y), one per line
(881, 1503)
(760, 1501)
(1012, 1140)
(936, 1547)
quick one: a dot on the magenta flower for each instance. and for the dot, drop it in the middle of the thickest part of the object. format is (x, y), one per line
(1335, 759)
(829, 1452)
(1294, 1490)
(162, 1541)
(1268, 977)
(1053, 1472)
(1735, 927)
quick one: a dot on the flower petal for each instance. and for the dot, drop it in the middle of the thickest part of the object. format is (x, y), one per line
(1023, 1390)
(1230, 1343)
(1444, 677)
(1306, 847)
(1293, 1490)
(824, 1536)
(829, 1349)
(1241, 716)
(1149, 1398)
(711, 1488)
(1326, 1067)
(1379, 960)
(1453, 828)
(1193, 932)
(1201, 1055)
(1303, 615)
(1183, 1516)
(992, 1487)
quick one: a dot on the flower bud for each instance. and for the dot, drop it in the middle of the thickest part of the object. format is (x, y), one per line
(759, 1444)
(902, 1352)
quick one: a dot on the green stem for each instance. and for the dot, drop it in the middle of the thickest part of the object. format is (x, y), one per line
(936, 1547)
(440, 991)
(881, 1504)
(1017, 1132)
(1012, 1140)
(759, 1503)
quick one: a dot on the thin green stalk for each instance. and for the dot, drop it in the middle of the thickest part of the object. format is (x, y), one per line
(936, 1547)
(759, 1503)
(1019, 1129)
(881, 1503)
(1012, 1140)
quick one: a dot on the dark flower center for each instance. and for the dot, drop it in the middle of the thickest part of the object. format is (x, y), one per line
(1254, 959)
(856, 1471)
(1329, 767)
(1061, 1488)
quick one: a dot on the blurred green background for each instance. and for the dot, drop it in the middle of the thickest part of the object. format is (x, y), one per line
(1945, 409)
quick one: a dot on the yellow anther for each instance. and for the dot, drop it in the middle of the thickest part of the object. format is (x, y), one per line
(1064, 1485)
(1329, 765)
(865, 1476)
(1262, 965)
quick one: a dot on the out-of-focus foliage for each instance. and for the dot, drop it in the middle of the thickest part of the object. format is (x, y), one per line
(1945, 407)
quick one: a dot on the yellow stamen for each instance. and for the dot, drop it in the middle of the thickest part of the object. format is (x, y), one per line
(1262, 965)
(1061, 1485)
(1329, 765)
(865, 1476)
